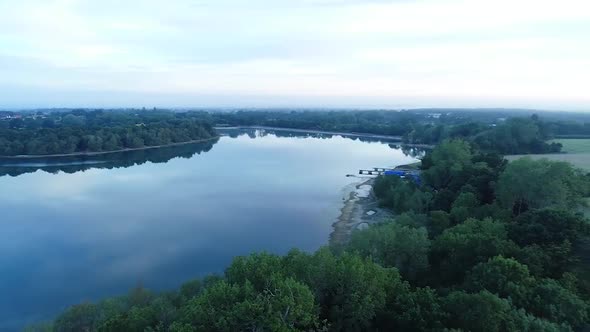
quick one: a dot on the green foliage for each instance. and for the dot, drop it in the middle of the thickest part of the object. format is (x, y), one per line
(516, 135)
(481, 311)
(406, 310)
(79, 132)
(481, 246)
(81, 317)
(351, 290)
(439, 221)
(552, 301)
(548, 227)
(532, 184)
(460, 247)
(464, 206)
(392, 245)
(284, 305)
(447, 164)
(190, 289)
(401, 195)
(256, 269)
(504, 277)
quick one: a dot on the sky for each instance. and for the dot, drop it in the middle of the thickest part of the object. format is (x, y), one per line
(295, 53)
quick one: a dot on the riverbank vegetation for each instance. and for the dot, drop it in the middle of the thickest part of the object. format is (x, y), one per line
(496, 131)
(78, 131)
(96, 131)
(479, 245)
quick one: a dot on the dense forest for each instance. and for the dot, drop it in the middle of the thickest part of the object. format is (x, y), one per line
(79, 131)
(478, 245)
(82, 131)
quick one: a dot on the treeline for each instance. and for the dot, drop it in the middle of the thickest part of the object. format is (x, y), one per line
(104, 130)
(487, 131)
(571, 129)
(479, 245)
(371, 122)
(510, 136)
(96, 131)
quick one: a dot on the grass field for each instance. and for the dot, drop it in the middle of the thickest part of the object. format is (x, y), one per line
(574, 145)
(576, 151)
(580, 160)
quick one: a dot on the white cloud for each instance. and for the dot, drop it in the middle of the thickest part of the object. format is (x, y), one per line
(462, 50)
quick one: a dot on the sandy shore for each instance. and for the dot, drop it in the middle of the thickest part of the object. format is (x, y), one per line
(360, 209)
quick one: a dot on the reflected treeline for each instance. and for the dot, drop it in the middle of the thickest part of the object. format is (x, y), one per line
(408, 150)
(253, 133)
(73, 164)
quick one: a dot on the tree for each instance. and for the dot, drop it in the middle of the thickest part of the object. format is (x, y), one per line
(552, 301)
(439, 221)
(446, 165)
(401, 195)
(81, 317)
(190, 289)
(406, 310)
(285, 305)
(392, 245)
(460, 247)
(532, 184)
(351, 290)
(463, 207)
(482, 311)
(504, 277)
(256, 268)
(548, 227)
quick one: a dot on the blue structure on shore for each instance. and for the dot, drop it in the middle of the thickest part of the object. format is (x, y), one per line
(415, 176)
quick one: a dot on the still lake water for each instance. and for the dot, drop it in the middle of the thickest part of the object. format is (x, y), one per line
(82, 230)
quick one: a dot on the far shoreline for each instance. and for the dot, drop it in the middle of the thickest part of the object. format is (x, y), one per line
(313, 131)
(98, 153)
(396, 139)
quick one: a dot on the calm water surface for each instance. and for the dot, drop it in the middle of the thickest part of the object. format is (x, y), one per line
(97, 228)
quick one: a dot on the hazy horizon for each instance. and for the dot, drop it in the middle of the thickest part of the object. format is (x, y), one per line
(297, 54)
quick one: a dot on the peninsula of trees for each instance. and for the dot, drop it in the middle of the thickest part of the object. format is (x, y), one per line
(78, 132)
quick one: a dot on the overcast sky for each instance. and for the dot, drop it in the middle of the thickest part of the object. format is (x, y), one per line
(325, 53)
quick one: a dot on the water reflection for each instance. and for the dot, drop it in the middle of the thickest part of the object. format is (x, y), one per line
(73, 164)
(68, 238)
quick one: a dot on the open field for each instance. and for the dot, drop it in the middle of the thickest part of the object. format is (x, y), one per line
(580, 160)
(576, 151)
(574, 145)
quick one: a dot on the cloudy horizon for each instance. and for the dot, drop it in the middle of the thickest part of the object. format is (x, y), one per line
(287, 53)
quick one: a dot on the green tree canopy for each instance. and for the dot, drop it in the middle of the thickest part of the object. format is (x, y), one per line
(532, 184)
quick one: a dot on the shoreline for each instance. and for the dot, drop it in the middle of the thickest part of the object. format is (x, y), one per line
(79, 154)
(396, 139)
(312, 131)
(358, 212)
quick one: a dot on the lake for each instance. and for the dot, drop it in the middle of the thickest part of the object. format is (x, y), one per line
(77, 230)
